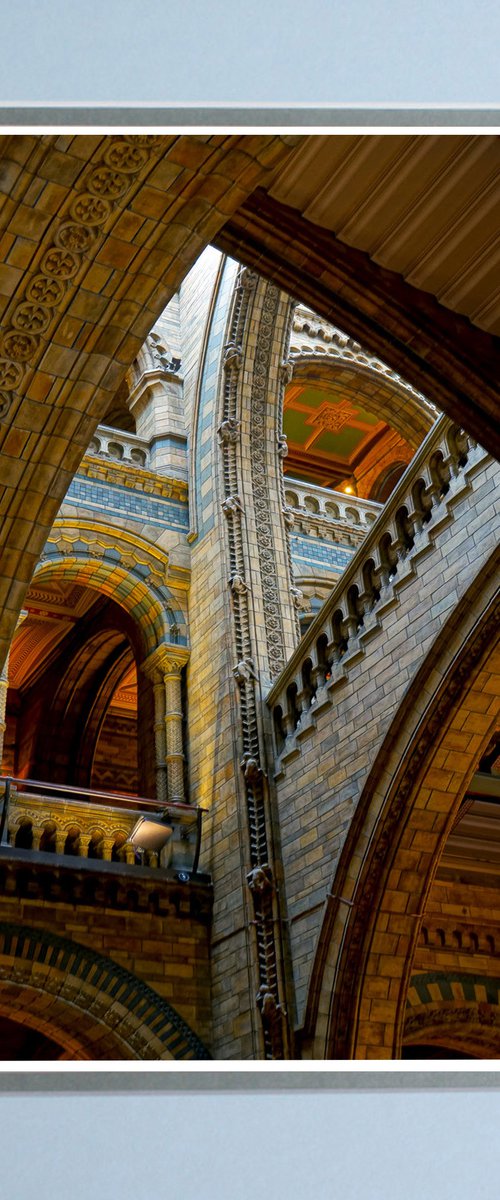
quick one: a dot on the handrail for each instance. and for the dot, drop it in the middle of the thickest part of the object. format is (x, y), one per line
(69, 789)
(443, 455)
(60, 792)
(325, 494)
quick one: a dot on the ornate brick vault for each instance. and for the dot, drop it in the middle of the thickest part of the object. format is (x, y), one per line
(249, 698)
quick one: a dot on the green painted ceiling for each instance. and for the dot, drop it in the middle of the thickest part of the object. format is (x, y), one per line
(342, 444)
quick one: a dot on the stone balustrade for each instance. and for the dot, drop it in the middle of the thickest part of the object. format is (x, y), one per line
(49, 819)
(116, 446)
(387, 558)
(307, 504)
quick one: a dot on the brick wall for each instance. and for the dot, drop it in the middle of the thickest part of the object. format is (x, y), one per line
(322, 778)
(169, 950)
(115, 760)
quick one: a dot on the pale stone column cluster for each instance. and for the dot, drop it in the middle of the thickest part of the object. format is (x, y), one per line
(164, 667)
(4, 685)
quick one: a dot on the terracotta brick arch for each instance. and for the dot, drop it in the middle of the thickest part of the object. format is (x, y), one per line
(90, 1006)
(96, 235)
(360, 977)
(455, 1010)
(128, 569)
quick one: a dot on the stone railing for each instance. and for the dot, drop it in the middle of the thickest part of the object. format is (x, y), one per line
(116, 446)
(42, 818)
(386, 559)
(307, 504)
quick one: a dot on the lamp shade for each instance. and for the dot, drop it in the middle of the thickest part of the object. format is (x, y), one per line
(150, 833)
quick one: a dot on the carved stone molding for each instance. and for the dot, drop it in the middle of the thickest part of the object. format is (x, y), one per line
(260, 880)
(103, 186)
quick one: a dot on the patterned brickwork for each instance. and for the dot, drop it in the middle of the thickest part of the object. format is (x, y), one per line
(117, 501)
(107, 966)
(227, 594)
(309, 553)
(456, 1010)
(127, 568)
(324, 776)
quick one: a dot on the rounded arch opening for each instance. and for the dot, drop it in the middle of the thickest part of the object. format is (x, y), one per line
(85, 1003)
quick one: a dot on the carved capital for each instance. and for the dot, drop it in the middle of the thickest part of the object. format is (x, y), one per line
(164, 660)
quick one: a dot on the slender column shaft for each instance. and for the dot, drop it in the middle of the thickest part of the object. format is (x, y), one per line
(4, 683)
(174, 756)
(164, 667)
(160, 740)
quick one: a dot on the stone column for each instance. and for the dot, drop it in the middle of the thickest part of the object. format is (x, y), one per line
(4, 684)
(164, 666)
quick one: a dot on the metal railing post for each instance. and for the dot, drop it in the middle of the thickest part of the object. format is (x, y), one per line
(5, 808)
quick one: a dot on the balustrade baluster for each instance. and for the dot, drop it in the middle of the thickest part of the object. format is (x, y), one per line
(37, 832)
(60, 840)
(107, 844)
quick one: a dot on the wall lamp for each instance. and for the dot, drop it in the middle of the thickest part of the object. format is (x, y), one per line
(151, 833)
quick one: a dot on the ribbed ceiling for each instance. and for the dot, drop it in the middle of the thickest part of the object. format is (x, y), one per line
(425, 206)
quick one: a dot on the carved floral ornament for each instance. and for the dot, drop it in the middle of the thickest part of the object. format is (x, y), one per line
(76, 235)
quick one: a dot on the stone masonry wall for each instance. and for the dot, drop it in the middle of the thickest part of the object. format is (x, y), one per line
(169, 951)
(321, 780)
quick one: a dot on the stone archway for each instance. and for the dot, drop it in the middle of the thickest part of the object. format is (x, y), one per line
(103, 230)
(455, 1011)
(133, 573)
(85, 1002)
(127, 568)
(383, 394)
(360, 978)
(439, 353)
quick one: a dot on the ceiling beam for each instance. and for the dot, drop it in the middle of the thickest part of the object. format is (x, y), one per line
(452, 362)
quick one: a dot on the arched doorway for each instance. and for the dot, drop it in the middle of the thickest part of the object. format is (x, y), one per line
(72, 700)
